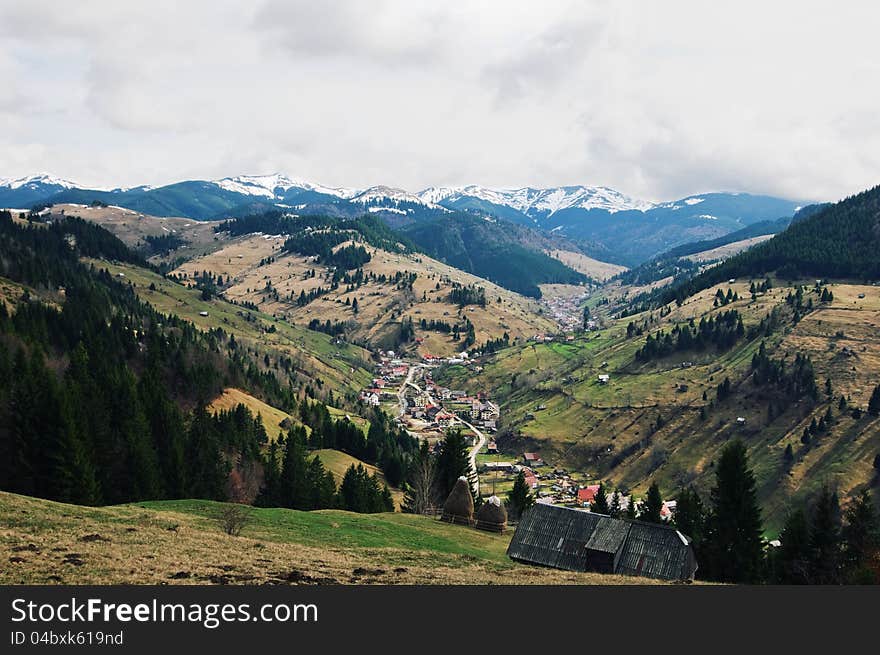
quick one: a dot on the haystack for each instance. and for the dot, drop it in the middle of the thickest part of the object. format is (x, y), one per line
(492, 516)
(459, 507)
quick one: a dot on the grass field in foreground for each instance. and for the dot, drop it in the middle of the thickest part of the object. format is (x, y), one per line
(180, 542)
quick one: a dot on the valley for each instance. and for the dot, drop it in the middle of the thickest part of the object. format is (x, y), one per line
(587, 371)
(662, 421)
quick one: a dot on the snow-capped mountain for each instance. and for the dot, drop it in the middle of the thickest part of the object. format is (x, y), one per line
(631, 228)
(276, 186)
(36, 181)
(384, 194)
(535, 202)
(25, 191)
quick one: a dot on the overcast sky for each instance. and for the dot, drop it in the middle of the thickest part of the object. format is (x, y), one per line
(656, 99)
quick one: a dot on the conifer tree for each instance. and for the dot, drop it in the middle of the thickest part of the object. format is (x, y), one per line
(689, 516)
(614, 509)
(600, 501)
(453, 462)
(632, 511)
(825, 543)
(874, 403)
(520, 498)
(734, 547)
(294, 487)
(792, 563)
(652, 506)
(861, 540)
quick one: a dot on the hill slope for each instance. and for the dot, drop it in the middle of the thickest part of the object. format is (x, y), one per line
(180, 543)
(652, 421)
(509, 255)
(837, 241)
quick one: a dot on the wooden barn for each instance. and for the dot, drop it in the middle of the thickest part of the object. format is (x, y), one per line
(574, 540)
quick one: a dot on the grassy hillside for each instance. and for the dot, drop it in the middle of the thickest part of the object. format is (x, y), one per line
(646, 423)
(342, 366)
(248, 264)
(257, 269)
(181, 543)
(592, 268)
(135, 228)
(272, 417)
(338, 462)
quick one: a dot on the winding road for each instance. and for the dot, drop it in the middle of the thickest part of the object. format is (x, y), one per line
(481, 438)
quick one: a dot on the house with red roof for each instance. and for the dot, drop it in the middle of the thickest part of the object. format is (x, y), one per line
(587, 494)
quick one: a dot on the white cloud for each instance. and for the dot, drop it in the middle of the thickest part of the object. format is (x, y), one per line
(659, 100)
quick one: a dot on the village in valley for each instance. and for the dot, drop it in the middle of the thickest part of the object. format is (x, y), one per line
(405, 389)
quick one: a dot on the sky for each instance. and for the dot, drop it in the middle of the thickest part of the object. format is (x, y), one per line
(656, 99)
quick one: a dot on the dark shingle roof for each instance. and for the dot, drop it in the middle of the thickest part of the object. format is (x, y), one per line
(656, 551)
(563, 538)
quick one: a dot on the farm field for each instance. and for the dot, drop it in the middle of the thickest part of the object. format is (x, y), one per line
(180, 542)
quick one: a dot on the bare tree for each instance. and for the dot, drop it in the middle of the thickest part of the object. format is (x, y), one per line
(422, 494)
(233, 517)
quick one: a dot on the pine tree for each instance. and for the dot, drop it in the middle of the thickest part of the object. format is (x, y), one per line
(632, 512)
(825, 542)
(206, 472)
(874, 403)
(453, 462)
(294, 484)
(861, 540)
(792, 560)
(520, 498)
(651, 508)
(270, 494)
(689, 516)
(614, 509)
(733, 546)
(600, 501)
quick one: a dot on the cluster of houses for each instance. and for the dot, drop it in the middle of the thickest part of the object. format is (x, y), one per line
(442, 406)
(556, 486)
(390, 373)
(567, 311)
(461, 358)
(420, 407)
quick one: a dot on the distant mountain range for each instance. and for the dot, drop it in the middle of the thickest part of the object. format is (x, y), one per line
(614, 226)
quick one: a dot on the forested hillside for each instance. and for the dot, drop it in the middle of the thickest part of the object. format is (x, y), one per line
(502, 252)
(103, 399)
(838, 241)
(328, 230)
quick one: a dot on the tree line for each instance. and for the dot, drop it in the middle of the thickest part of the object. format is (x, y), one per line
(820, 544)
(721, 332)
